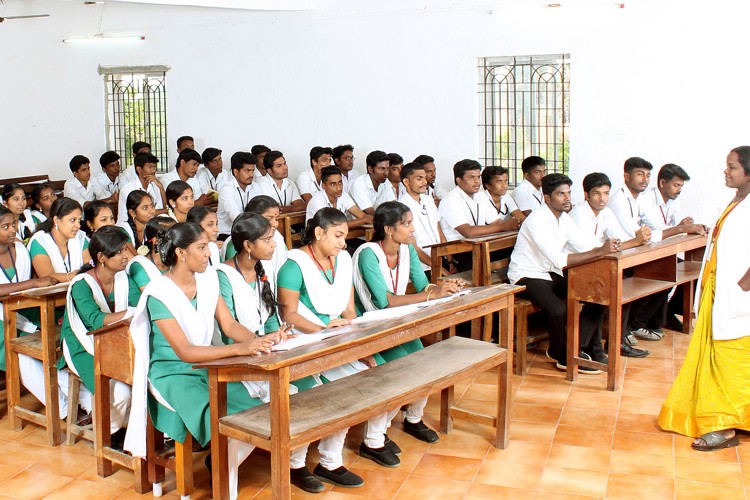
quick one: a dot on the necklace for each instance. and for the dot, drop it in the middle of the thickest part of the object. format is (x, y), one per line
(394, 281)
(13, 265)
(330, 261)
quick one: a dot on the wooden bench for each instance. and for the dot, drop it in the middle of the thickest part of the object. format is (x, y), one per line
(29, 182)
(286, 221)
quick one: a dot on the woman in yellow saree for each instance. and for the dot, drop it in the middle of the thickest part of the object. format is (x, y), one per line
(710, 397)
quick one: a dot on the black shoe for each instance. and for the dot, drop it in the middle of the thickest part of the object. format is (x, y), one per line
(391, 445)
(563, 365)
(421, 432)
(339, 477)
(600, 356)
(303, 479)
(117, 441)
(381, 456)
(632, 352)
(673, 323)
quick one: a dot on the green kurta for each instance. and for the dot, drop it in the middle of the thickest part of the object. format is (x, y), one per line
(185, 389)
(137, 275)
(37, 249)
(229, 251)
(31, 314)
(93, 318)
(369, 267)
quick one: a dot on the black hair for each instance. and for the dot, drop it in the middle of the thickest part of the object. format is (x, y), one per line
(142, 158)
(175, 189)
(181, 235)
(138, 145)
(595, 180)
(60, 208)
(743, 156)
(197, 213)
(259, 149)
(36, 194)
(670, 171)
(424, 159)
(240, 159)
(183, 139)
(489, 172)
(251, 227)
(324, 218)
(187, 155)
(271, 157)
(338, 151)
(91, 212)
(551, 182)
(77, 162)
(154, 231)
(107, 158)
(9, 189)
(463, 166)
(375, 157)
(327, 172)
(317, 151)
(635, 162)
(108, 240)
(531, 162)
(395, 159)
(410, 168)
(209, 154)
(260, 204)
(131, 203)
(387, 214)
(5, 211)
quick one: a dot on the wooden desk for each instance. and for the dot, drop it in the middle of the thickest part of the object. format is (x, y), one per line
(44, 346)
(600, 281)
(286, 221)
(366, 339)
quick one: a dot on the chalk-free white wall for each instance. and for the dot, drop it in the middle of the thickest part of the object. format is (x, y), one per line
(659, 79)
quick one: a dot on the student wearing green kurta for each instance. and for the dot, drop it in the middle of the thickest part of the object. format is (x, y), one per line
(15, 265)
(207, 219)
(100, 294)
(148, 265)
(270, 210)
(141, 209)
(42, 197)
(14, 198)
(172, 329)
(382, 269)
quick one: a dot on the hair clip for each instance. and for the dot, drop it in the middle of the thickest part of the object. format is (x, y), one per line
(92, 263)
(264, 278)
(142, 250)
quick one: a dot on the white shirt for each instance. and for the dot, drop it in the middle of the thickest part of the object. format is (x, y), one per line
(601, 227)
(362, 192)
(152, 189)
(527, 197)
(172, 176)
(284, 195)
(232, 201)
(347, 180)
(260, 179)
(75, 191)
(666, 211)
(426, 218)
(209, 182)
(128, 175)
(103, 187)
(388, 193)
(543, 245)
(436, 192)
(320, 200)
(457, 208)
(504, 210)
(306, 182)
(632, 213)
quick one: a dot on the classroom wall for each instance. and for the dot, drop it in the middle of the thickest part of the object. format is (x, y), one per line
(658, 79)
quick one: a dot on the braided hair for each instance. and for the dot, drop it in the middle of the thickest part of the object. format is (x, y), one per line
(252, 227)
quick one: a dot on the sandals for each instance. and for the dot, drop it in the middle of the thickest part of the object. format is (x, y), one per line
(716, 441)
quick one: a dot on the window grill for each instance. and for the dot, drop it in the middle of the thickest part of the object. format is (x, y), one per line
(525, 110)
(137, 111)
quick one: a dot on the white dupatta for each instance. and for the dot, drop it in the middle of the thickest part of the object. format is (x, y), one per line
(27, 224)
(23, 273)
(75, 251)
(215, 257)
(146, 264)
(402, 273)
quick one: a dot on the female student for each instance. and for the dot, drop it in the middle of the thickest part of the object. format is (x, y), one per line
(141, 209)
(710, 398)
(14, 198)
(270, 209)
(382, 270)
(179, 200)
(208, 220)
(172, 329)
(97, 214)
(100, 294)
(58, 248)
(148, 265)
(42, 197)
(15, 265)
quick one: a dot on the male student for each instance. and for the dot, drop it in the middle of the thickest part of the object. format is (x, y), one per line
(391, 189)
(596, 220)
(236, 192)
(278, 186)
(212, 175)
(548, 242)
(528, 194)
(365, 189)
(426, 217)
(259, 151)
(129, 175)
(145, 169)
(79, 188)
(495, 184)
(309, 181)
(333, 196)
(343, 157)
(185, 169)
(107, 182)
(428, 162)
(185, 142)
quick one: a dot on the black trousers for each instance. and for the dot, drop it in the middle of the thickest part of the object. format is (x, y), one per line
(551, 297)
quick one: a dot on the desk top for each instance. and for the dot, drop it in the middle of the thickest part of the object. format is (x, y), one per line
(39, 293)
(478, 240)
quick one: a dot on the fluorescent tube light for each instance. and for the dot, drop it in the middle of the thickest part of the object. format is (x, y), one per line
(105, 39)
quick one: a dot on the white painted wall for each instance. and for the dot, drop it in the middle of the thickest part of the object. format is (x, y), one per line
(659, 79)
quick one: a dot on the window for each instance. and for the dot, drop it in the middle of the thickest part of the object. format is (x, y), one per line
(137, 111)
(525, 110)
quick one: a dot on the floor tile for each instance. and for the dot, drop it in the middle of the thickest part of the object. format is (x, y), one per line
(458, 445)
(420, 488)
(540, 396)
(489, 492)
(587, 417)
(625, 462)
(633, 422)
(85, 490)
(623, 486)
(32, 485)
(535, 413)
(383, 483)
(521, 451)
(583, 436)
(532, 431)
(641, 405)
(683, 448)
(723, 473)
(642, 442)
(456, 468)
(577, 457)
(562, 480)
(510, 474)
(689, 490)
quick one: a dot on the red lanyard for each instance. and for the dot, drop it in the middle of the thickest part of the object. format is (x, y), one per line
(330, 261)
(663, 215)
(394, 283)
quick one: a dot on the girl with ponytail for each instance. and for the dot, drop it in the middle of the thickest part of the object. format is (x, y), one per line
(42, 198)
(148, 265)
(270, 210)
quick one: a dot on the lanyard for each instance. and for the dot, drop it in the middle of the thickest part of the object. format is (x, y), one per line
(242, 198)
(13, 265)
(475, 218)
(330, 261)
(498, 207)
(67, 265)
(278, 193)
(538, 200)
(663, 215)
(394, 282)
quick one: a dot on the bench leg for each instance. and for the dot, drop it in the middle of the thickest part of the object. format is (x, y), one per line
(219, 442)
(102, 427)
(504, 391)
(613, 345)
(446, 402)
(49, 345)
(488, 322)
(141, 484)
(184, 466)
(13, 388)
(74, 387)
(154, 444)
(687, 306)
(574, 310)
(280, 481)
(522, 330)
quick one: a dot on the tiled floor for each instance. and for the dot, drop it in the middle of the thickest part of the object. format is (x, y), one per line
(567, 441)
